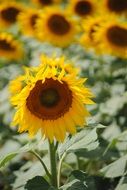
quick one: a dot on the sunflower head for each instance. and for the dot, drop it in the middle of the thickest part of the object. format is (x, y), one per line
(56, 27)
(113, 38)
(9, 47)
(116, 6)
(9, 12)
(83, 8)
(52, 99)
(90, 26)
(27, 21)
(43, 3)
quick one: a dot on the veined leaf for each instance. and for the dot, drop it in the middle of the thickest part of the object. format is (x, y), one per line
(85, 139)
(116, 168)
(10, 156)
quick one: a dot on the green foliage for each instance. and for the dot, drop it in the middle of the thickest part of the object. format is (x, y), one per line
(85, 139)
(116, 168)
(38, 183)
(10, 156)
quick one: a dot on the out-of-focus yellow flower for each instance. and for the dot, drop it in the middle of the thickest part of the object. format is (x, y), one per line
(46, 2)
(52, 100)
(27, 21)
(115, 6)
(9, 12)
(57, 27)
(9, 47)
(90, 26)
(112, 38)
(83, 8)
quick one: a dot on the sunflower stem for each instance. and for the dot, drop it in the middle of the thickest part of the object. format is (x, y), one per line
(43, 164)
(59, 169)
(52, 151)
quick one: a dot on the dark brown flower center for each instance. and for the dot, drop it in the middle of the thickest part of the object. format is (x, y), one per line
(10, 14)
(83, 8)
(117, 5)
(49, 100)
(117, 36)
(58, 24)
(33, 20)
(45, 2)
(4, 45)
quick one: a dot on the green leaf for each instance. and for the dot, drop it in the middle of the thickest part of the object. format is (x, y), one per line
(122, 187)
(85, 139)
(77, 185)
(116, 168)
(10, 156)
(7, 158)
(37, 183)
(74, 185)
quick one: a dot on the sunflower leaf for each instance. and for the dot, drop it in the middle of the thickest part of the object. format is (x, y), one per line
(38, 183)
(85, 139)
(10, 156)
(116, 168)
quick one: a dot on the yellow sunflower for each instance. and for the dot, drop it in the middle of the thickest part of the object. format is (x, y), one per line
(52, 100)
(46, 2)
(27, 21)
(90, 26)
(112, 36)
(9, 12)
(83, 8)
(115, 6)
(56, 27)
(9, 47)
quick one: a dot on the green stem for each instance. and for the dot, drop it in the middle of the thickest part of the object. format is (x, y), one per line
(59, 169)
(43, 164)
(52, 151)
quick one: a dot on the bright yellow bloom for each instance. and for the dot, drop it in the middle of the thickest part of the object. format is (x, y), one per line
(115, 6)
(27, 21)
(53, 100)
(90, 26)
(83, 8)
(112, 38)
(57, 27)
(9, 47)
(9, 12)
(45, 2)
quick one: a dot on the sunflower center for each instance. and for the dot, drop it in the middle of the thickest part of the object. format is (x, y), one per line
(33, 20)
(117, 36)
(10, 14)
(83, 8)
(58, 24)
(45, 2)
(49, 97)
(117, 5)
(49, 100)
(4, 45)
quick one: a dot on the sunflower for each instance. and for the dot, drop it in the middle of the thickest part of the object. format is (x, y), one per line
(27, 21)
(9, 47)
(90, 26)
(116, 6)
(9, 12)
(112, 36)
(46, 2)
(83, 8)
(52, 100)
(56, 27)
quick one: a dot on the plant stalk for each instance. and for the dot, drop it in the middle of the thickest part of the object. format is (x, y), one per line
(52, 151)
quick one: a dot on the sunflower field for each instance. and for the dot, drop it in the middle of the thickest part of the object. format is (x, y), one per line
(63, 94)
